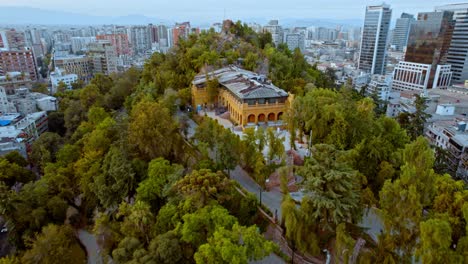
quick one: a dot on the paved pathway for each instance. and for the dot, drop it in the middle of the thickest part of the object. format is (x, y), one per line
(272, 200)
(92, 248)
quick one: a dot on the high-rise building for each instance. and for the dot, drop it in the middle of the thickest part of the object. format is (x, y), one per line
(12, 39)
(80, 44)
(139, 37)
(119, 42)
(275, 30)
(372, 58)
(103, 57)
(458, 52)
(429, 40)
(163, 36)
(181, 30)
(295, 40)
(19, 61)
(154, 33)
(401, 32)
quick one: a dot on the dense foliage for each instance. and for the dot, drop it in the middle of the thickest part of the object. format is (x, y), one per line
(119, 159)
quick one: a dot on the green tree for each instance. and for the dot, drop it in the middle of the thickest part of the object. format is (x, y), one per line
(16, 158)
(11, 173)
(61, 87)
(167, 248)
(435, 242)
(138, 221)
(275, 145)
(55, 244)
(89, 96)
(161, 178)
(332, 188)
(56, 122)
(103, 82)
(45, 148)
(251, 61)
(116, 180)
(299, 227)
(153, 130)
(239, 245)
(229, 150)
(199, 226)
(204, 185)
(344, 244)
(402, 200)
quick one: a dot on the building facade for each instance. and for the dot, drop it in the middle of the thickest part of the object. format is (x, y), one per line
(429, 40)
(249, 98)
(80, 44)
(12, 40)
(119, 42)
(458, 51)
(275, 30)
(103, 57)
(14, 80)
(19, 61)
(58, 76)
(294, 41)
(180, 31)
(79, 65)
(380, 85)
(401, 32)
(139, 37)
(372, 58)
(453, 137)
(411, 76)
(18, 132)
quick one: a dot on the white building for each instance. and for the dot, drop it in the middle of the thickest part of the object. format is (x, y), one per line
(415, 76)
(411, 76)
(18, 132)
(275, 30)
(295, 40)
(58, 76)
(25, 102)
(380, 85)
(5, 105)
(452, 136)
(443, 77)
(80, 44)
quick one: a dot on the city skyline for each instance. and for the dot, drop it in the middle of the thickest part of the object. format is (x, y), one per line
(211, 11)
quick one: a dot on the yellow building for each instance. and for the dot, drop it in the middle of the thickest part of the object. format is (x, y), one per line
(249, 98)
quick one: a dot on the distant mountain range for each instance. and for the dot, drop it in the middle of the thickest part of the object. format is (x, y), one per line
(27, 15)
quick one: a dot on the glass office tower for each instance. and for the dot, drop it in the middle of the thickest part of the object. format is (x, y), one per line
(372, 58)
(429, 40)
(458, 51)
(401, 32)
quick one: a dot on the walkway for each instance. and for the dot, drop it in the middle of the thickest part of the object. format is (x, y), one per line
(92, 248)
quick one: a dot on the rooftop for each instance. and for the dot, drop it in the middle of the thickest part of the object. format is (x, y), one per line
(242, 83)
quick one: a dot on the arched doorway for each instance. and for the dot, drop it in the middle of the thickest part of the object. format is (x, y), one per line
(251, 119)
(271, 117)
(280, 115)
(261, 118)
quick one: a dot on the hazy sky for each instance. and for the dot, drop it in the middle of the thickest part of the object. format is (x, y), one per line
(235, 9)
